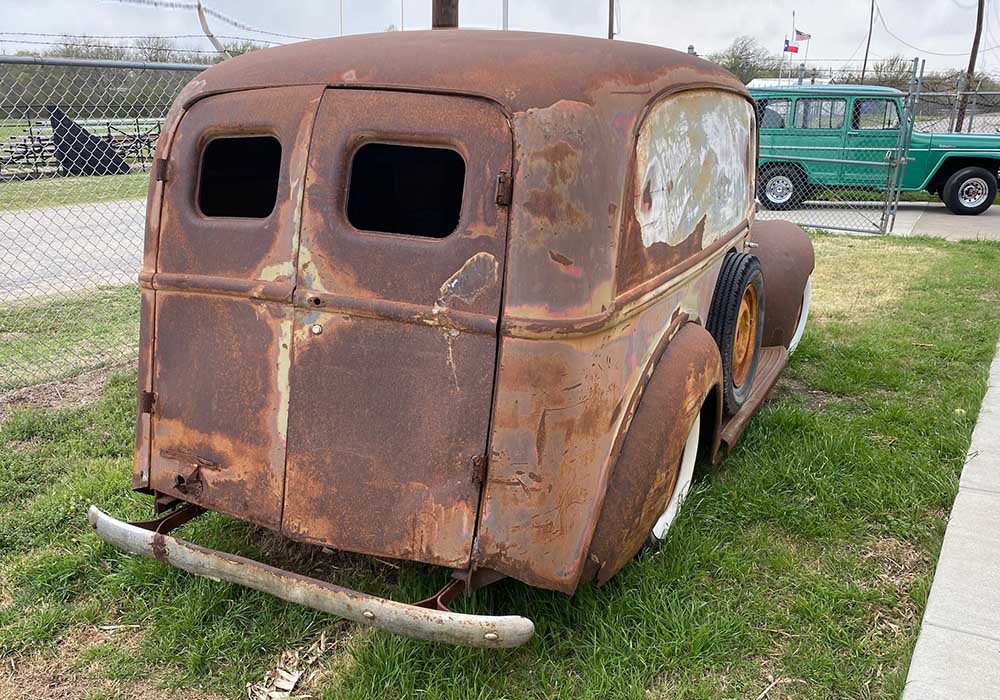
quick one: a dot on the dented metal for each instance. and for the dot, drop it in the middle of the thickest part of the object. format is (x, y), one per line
(505, 401)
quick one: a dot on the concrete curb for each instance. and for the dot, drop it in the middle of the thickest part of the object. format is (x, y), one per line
(958, 650)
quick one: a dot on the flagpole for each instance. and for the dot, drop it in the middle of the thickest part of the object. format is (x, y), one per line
(790, 54)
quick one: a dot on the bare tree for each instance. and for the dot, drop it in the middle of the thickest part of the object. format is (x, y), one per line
(155, 49)
(747, 59)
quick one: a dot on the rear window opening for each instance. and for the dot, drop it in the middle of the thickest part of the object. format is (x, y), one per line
(414, 190)
(239, 176)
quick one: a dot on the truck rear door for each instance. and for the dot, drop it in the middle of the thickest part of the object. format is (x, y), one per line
(397, 303)
(224, 277)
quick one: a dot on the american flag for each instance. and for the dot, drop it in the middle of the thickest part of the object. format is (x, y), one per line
(802, 36)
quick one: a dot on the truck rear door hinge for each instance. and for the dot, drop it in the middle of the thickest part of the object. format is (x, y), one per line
(147, 401)
(160, 169)
(504, 185)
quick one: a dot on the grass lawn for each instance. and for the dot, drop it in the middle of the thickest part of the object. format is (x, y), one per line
(800, 565)
(53, 338)
(56, 191)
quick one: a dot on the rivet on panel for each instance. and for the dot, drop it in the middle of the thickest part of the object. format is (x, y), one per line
(316, 329)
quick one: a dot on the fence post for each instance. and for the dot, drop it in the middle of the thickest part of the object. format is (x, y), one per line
(953, 126)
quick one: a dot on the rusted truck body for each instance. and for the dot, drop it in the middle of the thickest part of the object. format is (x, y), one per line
(448, 297)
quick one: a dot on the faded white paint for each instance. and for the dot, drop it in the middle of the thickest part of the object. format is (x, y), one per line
(692, 162)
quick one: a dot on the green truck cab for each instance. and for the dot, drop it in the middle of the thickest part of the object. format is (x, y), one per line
(844, 136)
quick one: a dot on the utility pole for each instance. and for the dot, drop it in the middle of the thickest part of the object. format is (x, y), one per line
(444, 14)
(972, 66)
(611, 19)
(871, 21)
(506, 9)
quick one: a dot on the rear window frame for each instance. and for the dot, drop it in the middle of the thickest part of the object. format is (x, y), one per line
(204, 142)
(370, 139)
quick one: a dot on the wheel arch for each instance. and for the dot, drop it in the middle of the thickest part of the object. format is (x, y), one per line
(688, 367)
(952, 163)
(787, 259)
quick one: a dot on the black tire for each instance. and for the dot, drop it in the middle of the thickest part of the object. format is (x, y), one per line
(739, 271)
(963, 192)
(782, 177)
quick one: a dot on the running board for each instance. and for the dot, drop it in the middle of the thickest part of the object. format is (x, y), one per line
(773, 360)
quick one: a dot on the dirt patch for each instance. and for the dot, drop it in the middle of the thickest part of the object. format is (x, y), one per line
(76, 391)
(63, 674)
(815, 399)
(856, 280)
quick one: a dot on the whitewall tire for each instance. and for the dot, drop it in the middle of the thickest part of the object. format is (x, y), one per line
(683, 484)
(800, 327)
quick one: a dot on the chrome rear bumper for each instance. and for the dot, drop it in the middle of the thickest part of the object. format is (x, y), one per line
(398, 618)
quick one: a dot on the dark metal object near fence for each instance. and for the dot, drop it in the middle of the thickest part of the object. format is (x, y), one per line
(81, 153)
(467, 399)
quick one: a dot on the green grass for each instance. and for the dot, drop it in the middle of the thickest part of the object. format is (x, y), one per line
(56, 191)
(53, 338)
(805, 557)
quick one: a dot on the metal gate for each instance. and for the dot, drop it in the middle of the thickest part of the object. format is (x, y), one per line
(833, 156)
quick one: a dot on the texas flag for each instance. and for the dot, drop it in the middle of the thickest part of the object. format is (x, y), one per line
(791, 46)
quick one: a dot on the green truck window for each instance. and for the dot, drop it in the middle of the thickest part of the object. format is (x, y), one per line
(773, 114)
(875, 114)
(820, 113)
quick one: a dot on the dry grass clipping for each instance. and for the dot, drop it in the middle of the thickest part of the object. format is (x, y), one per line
(855, 280)
(62, 675)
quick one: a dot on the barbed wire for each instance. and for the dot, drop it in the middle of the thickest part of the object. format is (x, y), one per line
(87, 35)
(211, 12)
(75, 45)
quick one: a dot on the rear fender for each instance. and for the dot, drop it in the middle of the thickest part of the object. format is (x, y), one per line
(687, 373)
(786, 258)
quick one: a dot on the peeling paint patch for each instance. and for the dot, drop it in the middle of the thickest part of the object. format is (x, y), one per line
(691, 164)
(479, 273)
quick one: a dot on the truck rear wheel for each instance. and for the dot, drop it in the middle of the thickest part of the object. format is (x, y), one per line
(782, 187)
(736, 321)
(970, 191)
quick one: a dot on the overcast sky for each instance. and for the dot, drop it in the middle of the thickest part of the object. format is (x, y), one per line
(838, 27)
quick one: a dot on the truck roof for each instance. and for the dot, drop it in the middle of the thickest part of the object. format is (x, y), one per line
(519, 70)
(805, 89)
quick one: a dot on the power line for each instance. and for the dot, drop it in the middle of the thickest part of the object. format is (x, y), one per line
(881, 18)
(231, 21)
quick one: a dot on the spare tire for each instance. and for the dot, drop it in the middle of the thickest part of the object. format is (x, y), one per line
(736, 321)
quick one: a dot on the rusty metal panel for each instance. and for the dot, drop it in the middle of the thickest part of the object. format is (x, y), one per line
(564, 215)
(520, 70)
(562, 406)
(395, 340)
(387, 421)
(218, 427)
(645, 472)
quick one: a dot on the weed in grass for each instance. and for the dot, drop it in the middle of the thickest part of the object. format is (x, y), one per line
(799, 566)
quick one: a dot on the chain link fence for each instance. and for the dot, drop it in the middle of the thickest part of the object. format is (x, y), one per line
(76, 144)
(829, 158)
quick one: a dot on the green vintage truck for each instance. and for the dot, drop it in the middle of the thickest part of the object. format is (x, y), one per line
(842, 136)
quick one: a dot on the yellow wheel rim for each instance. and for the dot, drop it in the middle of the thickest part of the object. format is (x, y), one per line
(746, 334)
